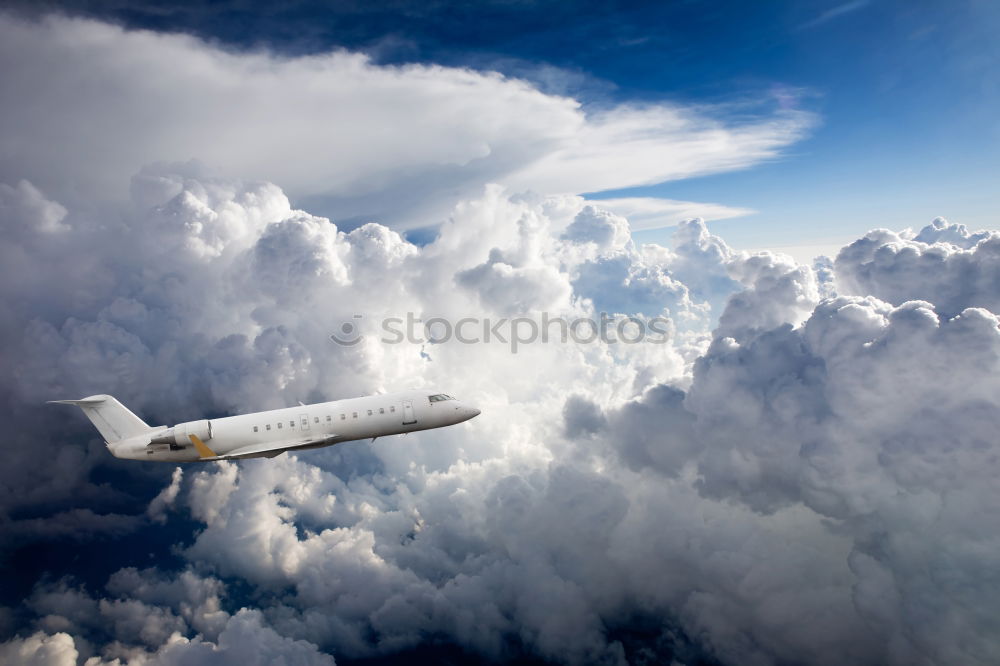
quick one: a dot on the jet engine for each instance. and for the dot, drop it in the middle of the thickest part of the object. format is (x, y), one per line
(180, 434)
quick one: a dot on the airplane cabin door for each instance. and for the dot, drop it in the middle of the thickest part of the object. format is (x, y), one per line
(408, 416)
(303, 422)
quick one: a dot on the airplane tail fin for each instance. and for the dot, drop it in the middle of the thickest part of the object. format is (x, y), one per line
(114, 421)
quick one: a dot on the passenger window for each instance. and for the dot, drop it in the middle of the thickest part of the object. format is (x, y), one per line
(291, 424)
(255, 428)
(279, 425)
(381, 410)
(392, 408)
(355, 414)
(268, 426)
(369, 412)
(316, 420)
(343, 416)
(328, 418)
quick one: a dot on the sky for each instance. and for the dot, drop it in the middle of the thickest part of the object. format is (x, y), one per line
(195, 196)
(900, 95)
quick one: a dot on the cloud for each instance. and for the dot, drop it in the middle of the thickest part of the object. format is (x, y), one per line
(40, 649)
(622, 283)
(779, 293)
(150, 617)
(223, 299)
(629, 145)
(400, 144)
(24, 209)
(73, 524)
(655, 213)
(799, 476)
(216, 292)
(833, 12)
(245, 640)
(599, 226)
(164, 501)
(945, 264)
(874, 417)
(154, 630)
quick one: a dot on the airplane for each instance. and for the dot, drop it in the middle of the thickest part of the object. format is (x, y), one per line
(269, 434)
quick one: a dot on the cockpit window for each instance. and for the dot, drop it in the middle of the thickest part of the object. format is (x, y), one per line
(439, 397)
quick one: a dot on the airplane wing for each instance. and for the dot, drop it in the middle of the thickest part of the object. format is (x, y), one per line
(272, 449)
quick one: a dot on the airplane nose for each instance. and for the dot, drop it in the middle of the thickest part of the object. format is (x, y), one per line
(467, 411)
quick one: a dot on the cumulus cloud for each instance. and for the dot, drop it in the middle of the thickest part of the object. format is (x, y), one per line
(945, 264)
(164, 501)
(164, 621)
(799, 476)
(399, 144)
(779, 292)
(40, 649)
(877, 418)
(245, 640)
(216, 293)
(599, 226)
(24, 209)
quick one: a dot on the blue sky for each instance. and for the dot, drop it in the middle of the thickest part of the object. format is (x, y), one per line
(905, 93)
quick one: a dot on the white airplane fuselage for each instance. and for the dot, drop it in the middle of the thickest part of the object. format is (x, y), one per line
(268, 434)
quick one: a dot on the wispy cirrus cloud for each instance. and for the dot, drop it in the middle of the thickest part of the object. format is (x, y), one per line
(655, 213)
(834, 12)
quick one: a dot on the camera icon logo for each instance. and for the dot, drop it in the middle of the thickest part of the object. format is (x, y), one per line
(349, 334)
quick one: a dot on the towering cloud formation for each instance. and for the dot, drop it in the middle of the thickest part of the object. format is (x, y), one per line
(810, 482)
(944, 264)
(881, 420)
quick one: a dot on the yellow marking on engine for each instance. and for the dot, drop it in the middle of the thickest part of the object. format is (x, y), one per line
(203, 450)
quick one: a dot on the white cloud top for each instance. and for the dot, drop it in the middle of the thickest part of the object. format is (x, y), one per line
(779, 488)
